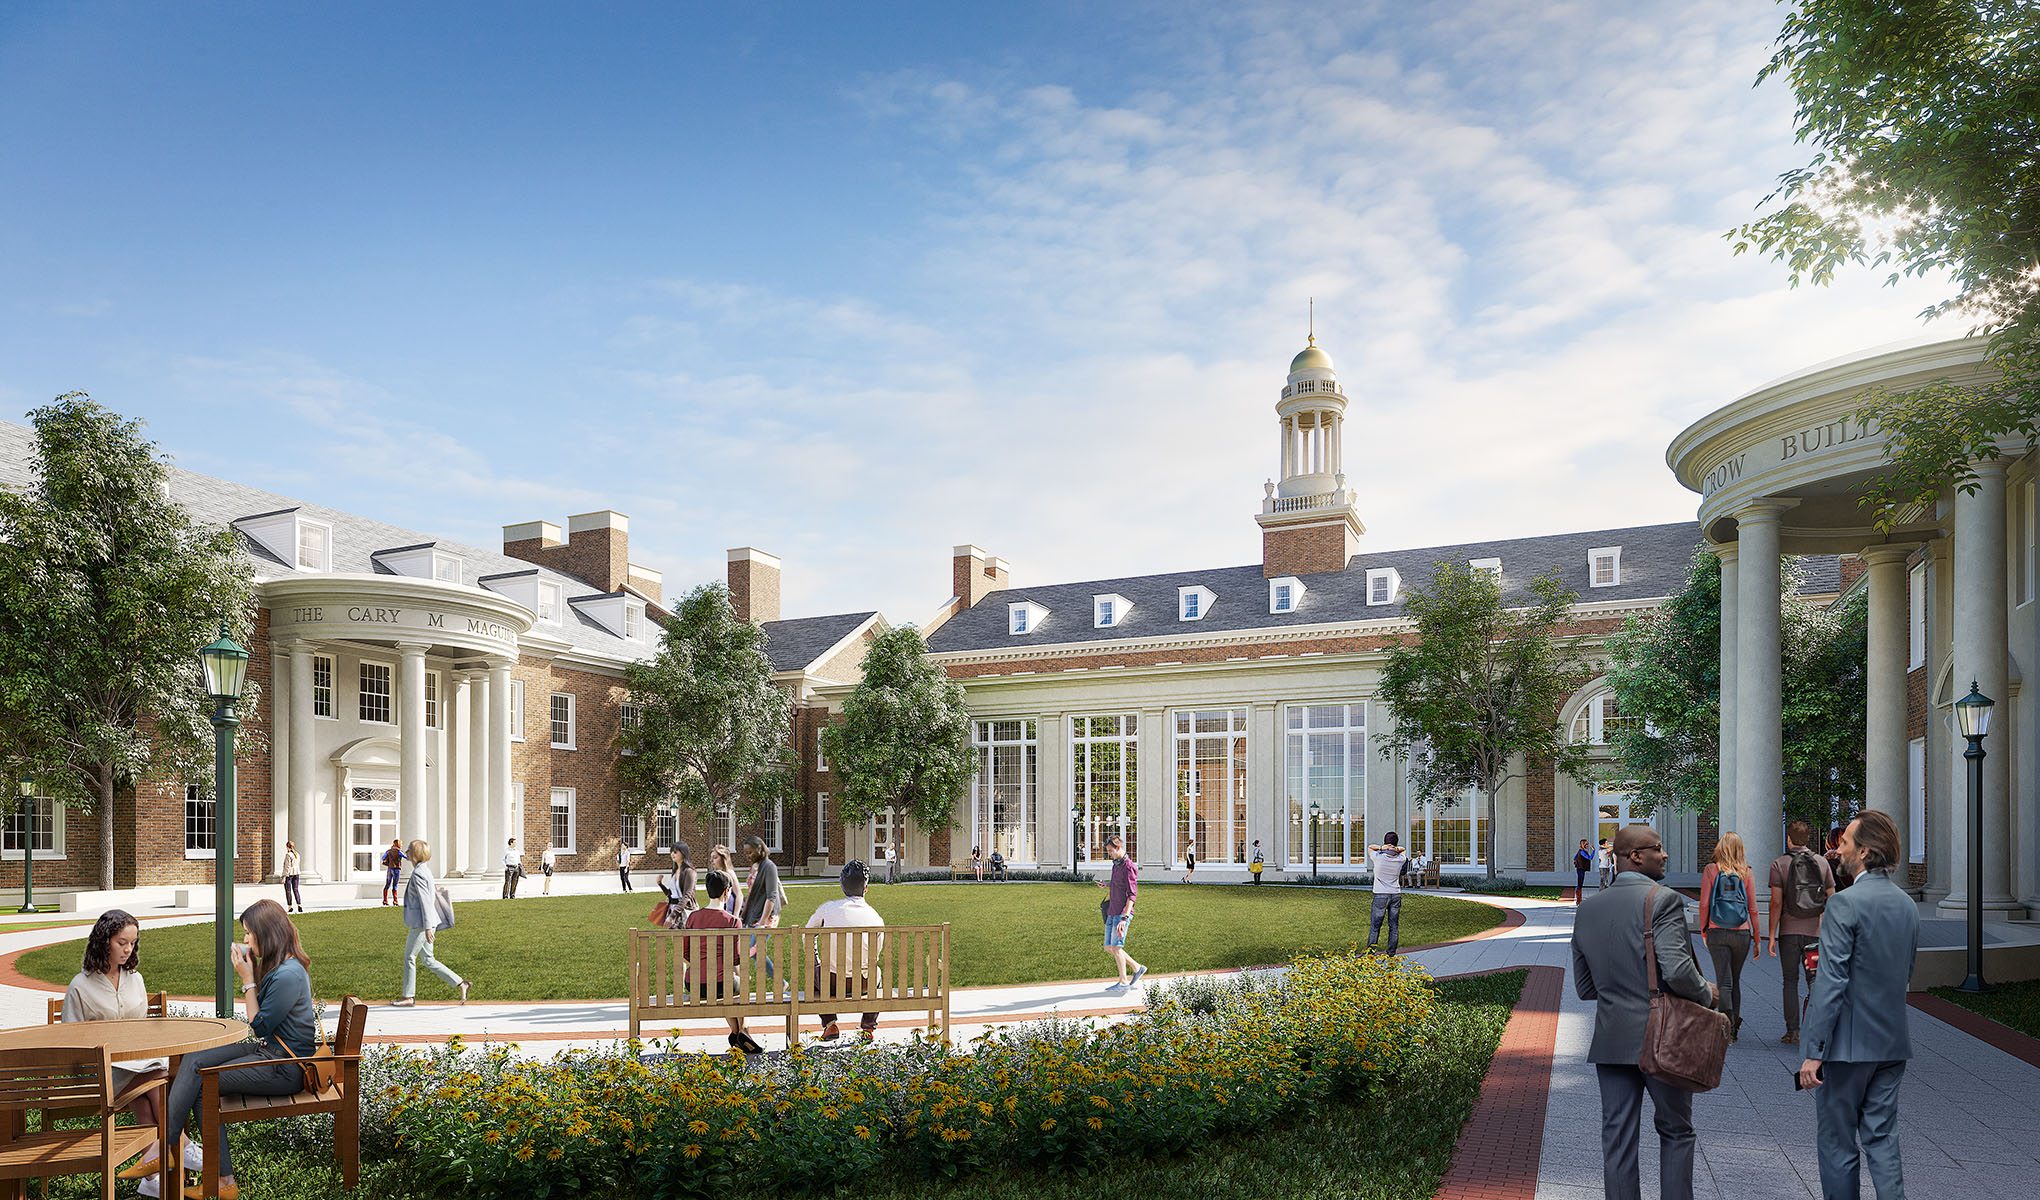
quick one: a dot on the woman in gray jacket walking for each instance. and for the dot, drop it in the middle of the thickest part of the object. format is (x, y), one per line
(421, 920)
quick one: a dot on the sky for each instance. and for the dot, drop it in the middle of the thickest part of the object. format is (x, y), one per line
(854, 284)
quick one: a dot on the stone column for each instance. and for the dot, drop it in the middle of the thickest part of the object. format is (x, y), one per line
(1946, 806)
(1288, 447)
(304, 757)
(1157, 785)
(458, 742)
(499, 760)
(1980, 657)
(1052, 798)
(480, 854)
(1759, 741)
(411, 821)
(279, 757)
(1884, 741)
(1731, 608)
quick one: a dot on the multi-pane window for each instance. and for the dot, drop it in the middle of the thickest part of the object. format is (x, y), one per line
(770, 824)
(821, 753)
(1104, 613)
(668, 822)
(823, 812)
(322, 685)
(34, 820)
(1327, 761)
(312, 546)
(517, 710)
(563, 720)
(1597, 719)
(1192, 603)
(201, 817)
(1383, 584)
(1916, 794)
(432, 700)
(446, 568)
(548, 601)
(630, 717)
(1211, 785)
(1604, 566)
(1019, 620)
(1282, 597)
(563, 819)
(1104, 779)
(375, 692)
(1916, 600)
(1450, 835)
(632, 831)
(1002, 807)
(634, 621)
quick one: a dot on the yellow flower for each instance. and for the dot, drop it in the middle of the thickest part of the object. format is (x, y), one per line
(691, 1150)
(1095, 1123)
(554, 1153)
(1048, 1125)
(864, 1133)
(697, 1128)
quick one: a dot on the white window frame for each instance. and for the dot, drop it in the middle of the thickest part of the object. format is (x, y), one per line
(56, 814)
(821, 756)
(1916, 601)
(662, 815)
(1297, 767)
(325, 558)
(628, 716)
(194, 795)
(1493, 565)
(551, 602)
(551, 831)
(1613, 556)
(772, 827)
(1277, 595)
(1091, 793)
(332, 712)
(1916, 794)
(361, 692)
(445, 567)
(1388, 575)
(1592, 718)
(1022, 827)
(2019, 522)
(517, 710)
(1109, 610)
(1024, 617)
(634, 622)
(1204, 596)
(435, 709)
(821, 822)
(632, 830)
(552, 720)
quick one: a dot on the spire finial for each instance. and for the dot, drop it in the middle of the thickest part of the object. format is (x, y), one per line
(1313, 321)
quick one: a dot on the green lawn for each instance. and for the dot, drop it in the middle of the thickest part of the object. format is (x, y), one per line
(2013, 1005)
(576, 947)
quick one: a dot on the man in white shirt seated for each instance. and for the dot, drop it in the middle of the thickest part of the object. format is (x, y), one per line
(857, 973)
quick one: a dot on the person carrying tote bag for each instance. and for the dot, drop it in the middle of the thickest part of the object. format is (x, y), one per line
(426, 911)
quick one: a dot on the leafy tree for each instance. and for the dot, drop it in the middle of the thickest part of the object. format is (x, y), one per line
(1924, 116)
(1475, 694)
(712, 731)
(903, 744)
(1664, 668)
(107, 590)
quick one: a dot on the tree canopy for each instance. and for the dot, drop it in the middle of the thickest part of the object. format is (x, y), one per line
(107, 589)
(711, 733)
(903, 742)
(1474, 693)
(1925, 121)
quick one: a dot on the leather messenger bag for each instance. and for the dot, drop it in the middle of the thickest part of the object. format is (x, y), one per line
(1684, 1044)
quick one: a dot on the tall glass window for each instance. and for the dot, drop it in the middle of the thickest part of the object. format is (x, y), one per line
(1327, 746)
(1450, 834)
(1003, 796)
(1104, 780)
(1211, 785)
(375, 693)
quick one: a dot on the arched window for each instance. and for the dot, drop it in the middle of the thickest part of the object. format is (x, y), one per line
(1598, 718)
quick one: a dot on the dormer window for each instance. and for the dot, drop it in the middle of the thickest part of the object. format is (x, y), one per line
(1193, 602)
(1492, 566)
(1024, 617)
(1109, 610)
(548, 601)
(1604, 566)
(446, 568)
(634, 622)
(423, 561)
(291, 538)
(314, 546)
(1284, 594)
(1384, 585)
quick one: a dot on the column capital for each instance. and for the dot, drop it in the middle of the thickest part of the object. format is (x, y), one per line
(1727, 552)
(1987, 467)
(1882, 554)
(413, 649)
(1765, 510)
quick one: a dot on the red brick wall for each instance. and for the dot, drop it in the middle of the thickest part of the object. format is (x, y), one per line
(1308, 551)
(1539, 811)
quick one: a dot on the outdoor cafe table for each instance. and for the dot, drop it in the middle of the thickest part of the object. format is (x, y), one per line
(144, 1037)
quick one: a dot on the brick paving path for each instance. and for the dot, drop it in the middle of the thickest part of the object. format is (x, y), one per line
(1496, 1158)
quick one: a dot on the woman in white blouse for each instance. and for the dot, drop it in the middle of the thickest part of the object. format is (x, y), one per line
(110, 988)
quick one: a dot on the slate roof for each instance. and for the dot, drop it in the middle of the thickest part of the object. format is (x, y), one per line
(1654, 562)
(793, 644)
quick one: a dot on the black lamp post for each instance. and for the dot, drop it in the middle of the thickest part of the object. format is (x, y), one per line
(1313, 840)
(1972, 720)
(226, 670)
(1076, 832)
(25, 816)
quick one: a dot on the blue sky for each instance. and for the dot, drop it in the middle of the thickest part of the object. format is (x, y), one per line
(855, 283)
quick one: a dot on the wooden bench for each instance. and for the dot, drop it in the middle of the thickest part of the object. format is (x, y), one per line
(1425, 876)
(341, 1096)
(70, 1079)
(962, 870)
(673, 974)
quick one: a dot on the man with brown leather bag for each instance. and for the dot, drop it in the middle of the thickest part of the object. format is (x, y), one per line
(1609, 969)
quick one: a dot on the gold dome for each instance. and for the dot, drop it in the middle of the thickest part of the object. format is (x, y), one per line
(1310, 357)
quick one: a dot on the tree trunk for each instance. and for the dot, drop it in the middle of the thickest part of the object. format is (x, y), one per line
(1491, 832)
(105, 781)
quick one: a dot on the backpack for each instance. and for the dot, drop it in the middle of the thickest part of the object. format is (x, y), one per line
(1584, 860)
(1805, 887)
(1730, 904)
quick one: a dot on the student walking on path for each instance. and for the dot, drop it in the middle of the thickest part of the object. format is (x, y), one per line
(1117, 907)
(1857, 1038)
(293, 896)
(1387, 861)
(763, 898)
(1258, 863)
(853, 975)
(513, 869)
(426, 912)
(1726, 886)
(1608, 968)
(731, 899)
(623, 866)
(547, 863)
(679, 888)
(393, 866)
(1800, 887)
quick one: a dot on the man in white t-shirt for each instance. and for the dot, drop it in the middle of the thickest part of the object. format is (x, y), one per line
(856, 973)
(1388, 860)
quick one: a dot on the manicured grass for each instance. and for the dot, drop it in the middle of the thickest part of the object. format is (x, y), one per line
(577, 947)
(2013, 1005)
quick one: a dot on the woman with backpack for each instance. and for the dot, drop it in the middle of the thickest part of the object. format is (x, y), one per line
(1726, 886)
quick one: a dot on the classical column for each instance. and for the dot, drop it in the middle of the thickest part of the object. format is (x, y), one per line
(411, 733)
(1157, 784)
(303, 759)
(480, 856)
(499, 759)
(1947, 806)
(1884, 740)
(1980, 656)
(460, 773)
(279, 757)
(1759, 742)
(1053, 797)
(1731, 608)
(1288, 447)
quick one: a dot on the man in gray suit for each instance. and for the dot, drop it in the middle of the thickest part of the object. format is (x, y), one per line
(1856, 1036)
(1608, 968)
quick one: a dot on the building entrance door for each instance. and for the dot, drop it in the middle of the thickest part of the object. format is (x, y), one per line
(883, 845)
(1612, 811)
(372, 823)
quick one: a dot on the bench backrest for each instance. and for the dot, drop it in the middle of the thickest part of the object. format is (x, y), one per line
(676, 968)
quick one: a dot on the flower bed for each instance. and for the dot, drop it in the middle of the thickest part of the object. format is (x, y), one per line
(1208, 1056)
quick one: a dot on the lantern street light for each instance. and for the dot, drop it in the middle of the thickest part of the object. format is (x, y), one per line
(1076, 834)
(1972, 720)
(226, 670)
(25, 815)
(1313, 840)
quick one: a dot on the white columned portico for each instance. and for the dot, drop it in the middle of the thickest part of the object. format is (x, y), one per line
(279, 757)
(1759, 741)
(411, 731)
(480, 855)
(1884, 740)
(499, 759)
(313, 853)
(1731, 606)
(1980, 645)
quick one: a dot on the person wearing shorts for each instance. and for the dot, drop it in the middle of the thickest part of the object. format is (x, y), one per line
(1118, 909)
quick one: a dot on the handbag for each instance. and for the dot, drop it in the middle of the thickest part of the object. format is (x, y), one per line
(659, 911)
(1684, 1044)
(443, 901)
(321, 1072)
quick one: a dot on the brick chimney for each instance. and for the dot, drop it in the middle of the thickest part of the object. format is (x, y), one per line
(973, 575)
(648, 583)
(597, 549)
(754, 584)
